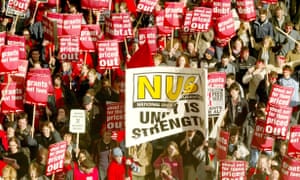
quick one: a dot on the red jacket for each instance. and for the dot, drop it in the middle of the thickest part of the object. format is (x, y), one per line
(117, 171)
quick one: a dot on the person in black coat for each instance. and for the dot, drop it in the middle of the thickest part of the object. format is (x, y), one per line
(237, 108)
(265, 86)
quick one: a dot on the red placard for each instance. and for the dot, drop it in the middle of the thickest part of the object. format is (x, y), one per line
(72, 24)
(56, 158)
(146, 6)
(9, 59)
(119, 26)
(294, 142)
(115, 116)
(290, 169)
(58, 18)
(186, 27)
(88, 37)
(12, 101)
(67, 24)
(269, 1)
(222, 144)
(224, 28)
(159, 21)
(259, 140)
(17, 41)
(148, 35)
(95, 4)
(230, 169)
(108, 54)
(20, 75)
(174, 12)
(280, 95)
(277, 121)
(36, 91)
(50, 29)
(68, 48)
(45, 72)
(18, 6)
(221, 8)
(2, 38)
(216, 79)
(246, 10)
(201, 19)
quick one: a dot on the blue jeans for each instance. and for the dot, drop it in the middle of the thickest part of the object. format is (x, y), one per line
(254, 155)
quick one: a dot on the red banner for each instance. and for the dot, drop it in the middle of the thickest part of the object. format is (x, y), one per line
(88, 37)
(18, 41)
(148, 35)
(36, 91)
(269, 1)
(2, 38)
(222, 144)
(68, 48)
(201, 20)
(280, 95)
(115, 116)
(108, 54)
(9, 59)
(221, 8)
(246, 10)
(159, 21)
(259, 139)
(230, 169)
(20, 75)
(95, 4)
(146, 6)
(224, 28)
(294, 142)
(290, 169)
(12, 101)
(174, 12)
(277, 121)
(119, 26)
(56, 158)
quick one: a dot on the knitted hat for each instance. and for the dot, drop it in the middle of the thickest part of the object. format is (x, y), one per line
(117, 152)
(210, 51)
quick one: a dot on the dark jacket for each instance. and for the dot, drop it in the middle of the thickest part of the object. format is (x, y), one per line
(236, 114)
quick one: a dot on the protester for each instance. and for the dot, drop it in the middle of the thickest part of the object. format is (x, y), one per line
(118, 164)
(171, 156)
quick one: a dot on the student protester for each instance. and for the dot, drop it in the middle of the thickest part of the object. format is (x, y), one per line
(225, 65)
(237, 108)
(208, 61)
(171, 155)
(262, 27)
(265, 86)
(141, 154)
(253, 76)
(101, 151)
(120, 165)
(16, 158)
(189, 141)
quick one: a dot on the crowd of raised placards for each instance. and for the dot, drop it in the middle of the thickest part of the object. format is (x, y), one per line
(63, 66)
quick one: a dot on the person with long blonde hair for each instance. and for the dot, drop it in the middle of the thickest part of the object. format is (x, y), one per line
(171, 156)
(9, 173)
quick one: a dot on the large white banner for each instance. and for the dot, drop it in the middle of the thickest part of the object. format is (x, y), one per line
(163, 101)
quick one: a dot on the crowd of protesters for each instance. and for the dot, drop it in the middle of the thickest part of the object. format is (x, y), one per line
(187, 156)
